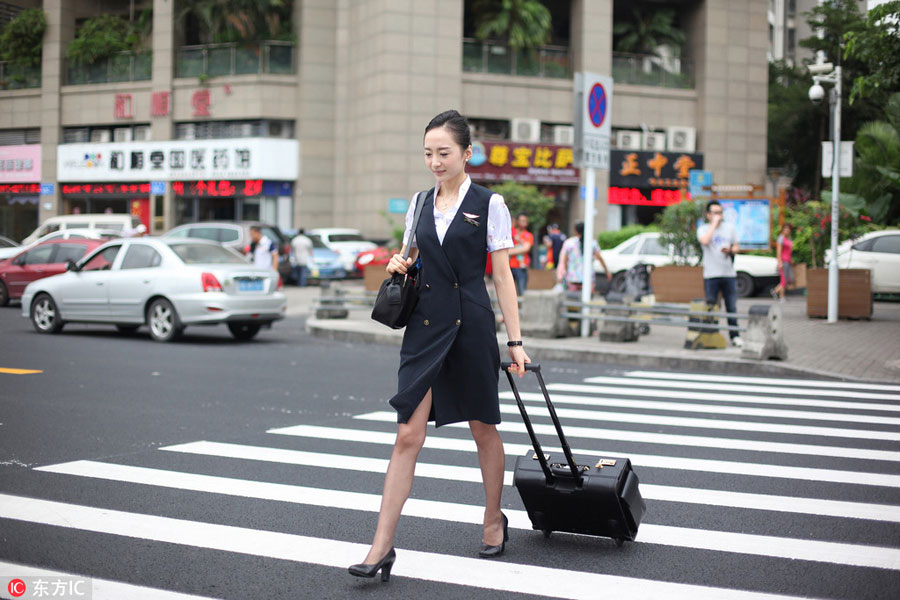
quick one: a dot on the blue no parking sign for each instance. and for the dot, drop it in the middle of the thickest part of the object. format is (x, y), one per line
(593, 102)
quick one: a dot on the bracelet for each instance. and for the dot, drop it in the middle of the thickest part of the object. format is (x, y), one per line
(514, 344)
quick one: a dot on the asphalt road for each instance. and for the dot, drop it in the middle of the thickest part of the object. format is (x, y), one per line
(221, 469)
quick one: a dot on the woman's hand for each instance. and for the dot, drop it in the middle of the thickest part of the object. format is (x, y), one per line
(519, 359)
(398, 265)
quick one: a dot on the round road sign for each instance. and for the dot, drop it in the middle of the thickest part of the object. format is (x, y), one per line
(596, 105)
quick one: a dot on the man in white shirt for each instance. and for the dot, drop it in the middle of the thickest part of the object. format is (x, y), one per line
(263, 251)
(719, 241)
(302, 249)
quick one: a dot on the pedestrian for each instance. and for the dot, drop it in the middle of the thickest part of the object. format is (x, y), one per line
(571, 267)
(301, 247)
(263, 251)
(784, 250)
(449, 363)
(555, 239)
(719, 241)
(520, 255)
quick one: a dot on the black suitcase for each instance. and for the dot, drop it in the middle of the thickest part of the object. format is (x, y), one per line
(576, 494)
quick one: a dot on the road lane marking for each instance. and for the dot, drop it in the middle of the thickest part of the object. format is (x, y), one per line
(704, 465)
(695, 441)
(776, 381)
(811, 506)
(719, 541)
(101, 589)
(610, 390)
(620, 417)
(19, 371)
(443, 568)
(679, 406)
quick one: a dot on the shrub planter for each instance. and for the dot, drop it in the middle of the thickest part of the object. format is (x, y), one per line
(854, 293)
(677, 283)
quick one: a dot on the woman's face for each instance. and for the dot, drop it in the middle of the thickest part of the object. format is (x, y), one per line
(786, 231)
(443, 155)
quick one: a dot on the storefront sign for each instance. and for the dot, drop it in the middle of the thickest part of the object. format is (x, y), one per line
(20, 188)
(107, 190)
(652, 169)
(527, 163)
(233, 158)
(639, 197)
(123, 107)
(218, 188)
(751, 218)
(20, 164)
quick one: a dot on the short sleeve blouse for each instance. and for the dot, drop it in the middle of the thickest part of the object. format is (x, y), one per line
(499, 222)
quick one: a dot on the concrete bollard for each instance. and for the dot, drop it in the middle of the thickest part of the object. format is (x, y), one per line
(539, 314)
(703, 339)
(330, 304)
(764, 338)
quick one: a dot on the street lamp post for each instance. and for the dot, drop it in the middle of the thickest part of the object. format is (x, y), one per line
(821, 74)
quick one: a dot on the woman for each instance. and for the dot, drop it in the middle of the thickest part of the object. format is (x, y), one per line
(571, 266)
(449, 362)
(784, 252)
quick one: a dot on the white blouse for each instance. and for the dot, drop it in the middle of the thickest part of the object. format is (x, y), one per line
(499, 223)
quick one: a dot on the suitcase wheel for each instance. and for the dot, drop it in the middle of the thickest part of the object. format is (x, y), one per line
(547, 532)
(619, 542)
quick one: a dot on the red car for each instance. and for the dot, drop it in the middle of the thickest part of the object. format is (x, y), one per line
(376, 256)
(43, 260)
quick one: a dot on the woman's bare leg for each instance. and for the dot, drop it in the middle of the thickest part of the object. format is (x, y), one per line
(399, 478)
(493, 462)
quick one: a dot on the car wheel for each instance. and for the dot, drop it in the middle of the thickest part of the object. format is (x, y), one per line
(45, 315)
(163, 321)
(618, 283)
(127, 329)
(4, 295)
(745, 285)
(244, 331)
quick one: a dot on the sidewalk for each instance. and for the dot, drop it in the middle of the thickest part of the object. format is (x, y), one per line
(868, 350)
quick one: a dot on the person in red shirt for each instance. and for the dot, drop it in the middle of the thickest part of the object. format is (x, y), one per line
(520, 254)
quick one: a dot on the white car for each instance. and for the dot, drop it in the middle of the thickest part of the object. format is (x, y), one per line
(63, 234)
(8, 248)
(166, 284)
(346, 242)
(754, 273)
(878, 251)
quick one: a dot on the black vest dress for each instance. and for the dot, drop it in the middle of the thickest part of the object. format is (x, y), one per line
(450, 343)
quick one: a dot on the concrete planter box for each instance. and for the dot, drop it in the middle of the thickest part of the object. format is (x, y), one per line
(541, 279)
(854, 293)
(677, 283)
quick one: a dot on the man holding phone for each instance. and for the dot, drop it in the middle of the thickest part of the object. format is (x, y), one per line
(719, 241)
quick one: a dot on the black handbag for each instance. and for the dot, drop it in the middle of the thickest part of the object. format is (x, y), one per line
(399, 293)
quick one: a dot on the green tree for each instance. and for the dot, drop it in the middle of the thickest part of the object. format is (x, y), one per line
(239, 20)
(22, 40)
(875, 45)
(647, 29)
(794, 125)
(99, 38)
(521, 24)
(678, 227)
(528, 199)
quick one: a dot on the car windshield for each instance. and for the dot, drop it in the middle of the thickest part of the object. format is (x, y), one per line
(346, 237)
(317, 242)
(206, 254)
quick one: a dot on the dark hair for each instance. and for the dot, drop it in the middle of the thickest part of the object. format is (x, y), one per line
(456, 124)
(256, 228)
(579, 228)
(522, 214)
(712, 203)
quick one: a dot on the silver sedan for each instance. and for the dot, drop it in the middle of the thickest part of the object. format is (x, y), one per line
(165, 284)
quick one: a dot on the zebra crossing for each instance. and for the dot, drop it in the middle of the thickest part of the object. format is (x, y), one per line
(756, 488)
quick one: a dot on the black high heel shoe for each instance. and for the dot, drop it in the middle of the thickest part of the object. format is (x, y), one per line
(495, 551)
(384, 565)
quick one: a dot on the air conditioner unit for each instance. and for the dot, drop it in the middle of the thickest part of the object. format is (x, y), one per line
(563, 135)
(654, 141)
(526, 130)
(681, 139)
(122, 134)
(142, 133)
(99, 136)
(628, 140)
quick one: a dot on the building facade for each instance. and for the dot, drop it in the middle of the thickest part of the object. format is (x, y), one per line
(327, 130)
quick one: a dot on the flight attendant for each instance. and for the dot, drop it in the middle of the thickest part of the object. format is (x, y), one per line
(449, 361)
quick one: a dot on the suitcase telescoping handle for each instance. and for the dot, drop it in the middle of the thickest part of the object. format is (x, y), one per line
(536, 368)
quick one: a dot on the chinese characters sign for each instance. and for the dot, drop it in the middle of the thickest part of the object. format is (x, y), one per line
(234, 158)
(530, 163)
(634, 176)
(222, 188)
(20, 163)
(118, 190)
(20, 188)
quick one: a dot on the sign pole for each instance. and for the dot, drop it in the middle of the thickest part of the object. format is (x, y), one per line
(587, 253)
(835, 201)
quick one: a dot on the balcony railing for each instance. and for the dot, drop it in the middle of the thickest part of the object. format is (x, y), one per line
(13, 77)
(641, 69)
(125, 66)
(235, 59)
(491, 57)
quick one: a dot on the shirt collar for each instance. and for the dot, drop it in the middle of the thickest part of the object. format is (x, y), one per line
(463, 189)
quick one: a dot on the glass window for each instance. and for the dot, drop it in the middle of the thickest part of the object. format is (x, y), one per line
(865, 245)
(72, 252)
(272, 234)
(7, 243)
(102, 260)
(629, 248)
(652, 247)
(178, 233)
(205, 233)
(48, 228)
(206, 254)
(887, 243)
(346, 237)
(140, 256)
(229, 235)
(111, 226)
(40, 255)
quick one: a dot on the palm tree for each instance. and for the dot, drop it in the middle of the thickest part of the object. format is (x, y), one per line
(647, 31)
(520, 24)
(239, 20)
(877, 170)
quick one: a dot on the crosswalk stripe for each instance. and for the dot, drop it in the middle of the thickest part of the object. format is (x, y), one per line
(752, 469)
(497, 575)
(776, 381)
(619, 417)
(609, 390)
(676, 440)
(814, 506)
(101, 589)
(678, 406)
(719, 541)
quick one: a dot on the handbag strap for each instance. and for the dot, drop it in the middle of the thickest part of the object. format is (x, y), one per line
(415, 223)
